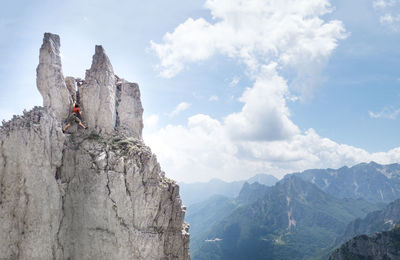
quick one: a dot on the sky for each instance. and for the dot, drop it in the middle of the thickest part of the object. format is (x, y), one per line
(230, 88)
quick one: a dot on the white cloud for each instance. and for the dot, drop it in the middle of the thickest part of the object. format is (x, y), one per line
(202, 150)
(151, 121)
(213, 240)
(264, 115)
(213, 98)
(383, 3)
(389, 13)
(387, 112)
(180, 108)
(234, 82)
(269, 37)
(199, 150)
(254, 31)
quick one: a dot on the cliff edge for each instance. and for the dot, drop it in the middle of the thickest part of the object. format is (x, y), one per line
(87, 194)
(382, 245)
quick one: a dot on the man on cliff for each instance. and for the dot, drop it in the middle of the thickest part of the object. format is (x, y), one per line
(73, 118)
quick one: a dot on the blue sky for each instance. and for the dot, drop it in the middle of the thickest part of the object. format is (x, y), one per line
(230, 88)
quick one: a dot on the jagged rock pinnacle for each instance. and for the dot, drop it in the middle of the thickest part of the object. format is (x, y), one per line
(94, 194)
(50, 79)
(98, 94)
(110, 103)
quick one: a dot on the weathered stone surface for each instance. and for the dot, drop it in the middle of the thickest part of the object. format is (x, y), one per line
(87, 195)
(30, 200)
(129, 109)
(50, 79)
(70, 83)
(98, 93)
(117, 203)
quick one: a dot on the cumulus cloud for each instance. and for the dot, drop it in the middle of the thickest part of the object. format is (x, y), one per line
(180, 108)
(201, 150)
(269, 37)
(387, 112)
(264, 115)
(255, 31)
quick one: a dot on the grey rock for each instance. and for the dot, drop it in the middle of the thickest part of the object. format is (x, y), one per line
(382, 245)
(118, 203)
(70, 84)
(50, 79)
(98, 94)
(129, 109)
(87, 195)
(30, 201)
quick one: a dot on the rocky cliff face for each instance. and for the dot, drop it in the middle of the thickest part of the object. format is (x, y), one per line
(384, 245)
(88, 194)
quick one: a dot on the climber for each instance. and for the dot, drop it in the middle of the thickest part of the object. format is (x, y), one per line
(73, 118)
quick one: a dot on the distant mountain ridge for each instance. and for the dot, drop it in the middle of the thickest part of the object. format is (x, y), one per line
(291, 220)
(370, 181)
(303, 216)
(192, 193)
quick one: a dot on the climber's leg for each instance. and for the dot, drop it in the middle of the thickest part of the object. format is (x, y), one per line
(66, 127)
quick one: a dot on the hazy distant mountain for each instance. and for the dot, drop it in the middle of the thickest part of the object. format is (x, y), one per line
(251, 192)
(372, 181)
(204, 215)
(377, 221)
(197, 192)
(382, 245)
(291, 220)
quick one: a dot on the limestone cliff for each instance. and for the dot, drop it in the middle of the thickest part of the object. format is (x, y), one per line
(87, 194)
(383, 245)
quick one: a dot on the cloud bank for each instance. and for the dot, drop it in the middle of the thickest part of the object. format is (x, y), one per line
(269, 37)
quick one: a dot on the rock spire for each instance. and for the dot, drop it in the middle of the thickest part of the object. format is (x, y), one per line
(50, 79)
(87, 194)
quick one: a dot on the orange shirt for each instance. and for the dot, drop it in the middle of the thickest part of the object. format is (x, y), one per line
(76, 110)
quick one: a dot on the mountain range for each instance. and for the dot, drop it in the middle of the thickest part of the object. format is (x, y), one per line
(199, 191)
(370, 181)
(292, 220)
(303, 216)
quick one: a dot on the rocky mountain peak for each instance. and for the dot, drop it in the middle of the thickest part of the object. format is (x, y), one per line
(101, 61)
(109, 103)
(87, 194)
